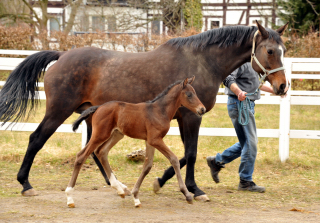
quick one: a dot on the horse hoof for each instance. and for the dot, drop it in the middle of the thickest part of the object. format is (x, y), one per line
(127, 192)
(138, 206)
(190, 201)
(122, 195)
(29, 193)
(203, 197)
(71, 205)
(156, 185)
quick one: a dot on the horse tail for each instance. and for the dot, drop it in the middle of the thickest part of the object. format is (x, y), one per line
(20, 88)
(84, 115)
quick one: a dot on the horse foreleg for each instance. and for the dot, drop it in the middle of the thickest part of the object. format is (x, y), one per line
(159, 144)
(102, 154)
(191, 126)
(146, 169)
(189, 129)
(169, 173)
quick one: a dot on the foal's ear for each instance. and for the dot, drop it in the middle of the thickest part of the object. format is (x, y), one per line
(190, 80)
(264, 33)
(185, 82)
(282, 29)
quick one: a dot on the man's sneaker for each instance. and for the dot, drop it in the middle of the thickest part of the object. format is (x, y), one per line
(250, 186)
(214, 168)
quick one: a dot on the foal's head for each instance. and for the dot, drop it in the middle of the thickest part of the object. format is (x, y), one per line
(189, 99)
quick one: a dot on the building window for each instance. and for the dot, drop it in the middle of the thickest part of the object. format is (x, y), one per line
(55, 24)
(84, 23)
(98, 23)
(214, 24)
(112, 24)
(280, 22)
(155, 27)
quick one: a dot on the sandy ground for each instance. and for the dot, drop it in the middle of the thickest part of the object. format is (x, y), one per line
(103, 205)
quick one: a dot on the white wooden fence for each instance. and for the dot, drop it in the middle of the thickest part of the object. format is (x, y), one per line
(283, 133)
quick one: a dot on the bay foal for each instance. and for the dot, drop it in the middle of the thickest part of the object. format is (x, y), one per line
(149, 121)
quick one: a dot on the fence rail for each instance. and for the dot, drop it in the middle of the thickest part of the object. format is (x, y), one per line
(283, 133)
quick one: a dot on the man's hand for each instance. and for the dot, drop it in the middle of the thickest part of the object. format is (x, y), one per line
(242, 96)
(237, 91)
(284, 96)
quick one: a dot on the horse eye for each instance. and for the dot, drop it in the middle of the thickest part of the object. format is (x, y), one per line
(189, 94)
(270, 52)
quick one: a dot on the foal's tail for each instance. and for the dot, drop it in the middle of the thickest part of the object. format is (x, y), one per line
(84, 115)
(20, 88)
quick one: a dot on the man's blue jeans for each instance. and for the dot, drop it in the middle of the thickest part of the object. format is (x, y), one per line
(248, 140)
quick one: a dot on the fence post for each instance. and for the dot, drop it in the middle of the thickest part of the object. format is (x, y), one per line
(84, 134)
(284, 122)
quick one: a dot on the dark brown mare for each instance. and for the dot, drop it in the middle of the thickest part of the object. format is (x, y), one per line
(87, 77)
(149, 121)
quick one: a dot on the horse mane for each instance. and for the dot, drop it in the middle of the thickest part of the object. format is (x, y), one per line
(223, 37)
(163, 93)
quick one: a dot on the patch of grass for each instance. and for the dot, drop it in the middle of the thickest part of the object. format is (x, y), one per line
(4, 75)
(293, 182)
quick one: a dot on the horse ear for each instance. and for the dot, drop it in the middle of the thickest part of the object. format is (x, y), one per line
(190, 80)
(264, 33)
(185, 82)
(282, 29)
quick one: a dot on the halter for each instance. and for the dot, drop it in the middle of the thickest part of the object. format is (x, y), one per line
(244, 106)
(253, 57)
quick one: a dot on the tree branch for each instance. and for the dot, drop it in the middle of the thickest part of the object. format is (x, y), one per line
(32, 10)
(310, 3)
(74, 8)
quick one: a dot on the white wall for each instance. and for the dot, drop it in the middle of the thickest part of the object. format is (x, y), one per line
(125, 17)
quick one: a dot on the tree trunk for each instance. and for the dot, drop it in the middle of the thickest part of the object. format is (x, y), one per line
(74, 8)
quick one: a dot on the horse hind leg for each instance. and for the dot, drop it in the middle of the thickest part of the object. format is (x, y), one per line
(95, 158)
(146, 169)
(37, 139)
(102, 154)
(81, 158)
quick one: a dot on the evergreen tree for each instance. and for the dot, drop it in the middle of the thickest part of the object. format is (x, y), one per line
(302, 15)
(193, 14)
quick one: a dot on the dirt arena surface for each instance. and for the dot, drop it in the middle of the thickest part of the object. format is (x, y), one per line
(103, 205)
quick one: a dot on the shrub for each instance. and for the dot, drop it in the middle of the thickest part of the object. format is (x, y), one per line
(17, 38)
(24, 38)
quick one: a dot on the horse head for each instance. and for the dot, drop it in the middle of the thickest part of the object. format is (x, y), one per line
(267, 57)
(189, 98)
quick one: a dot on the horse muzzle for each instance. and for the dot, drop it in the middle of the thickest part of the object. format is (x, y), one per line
(283, 89)
(201, 111)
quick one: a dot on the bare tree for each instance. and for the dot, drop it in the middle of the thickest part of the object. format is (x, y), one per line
(13, 11)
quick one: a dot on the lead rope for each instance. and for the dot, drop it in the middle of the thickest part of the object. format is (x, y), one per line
(243, 108)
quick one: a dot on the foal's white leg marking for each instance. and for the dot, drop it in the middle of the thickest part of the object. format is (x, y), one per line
(116, 185)
(122, 185)
(69, 191)
(137, 202)
(127, 192)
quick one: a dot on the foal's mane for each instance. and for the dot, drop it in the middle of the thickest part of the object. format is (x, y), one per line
(163, 93)
(223, 37)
